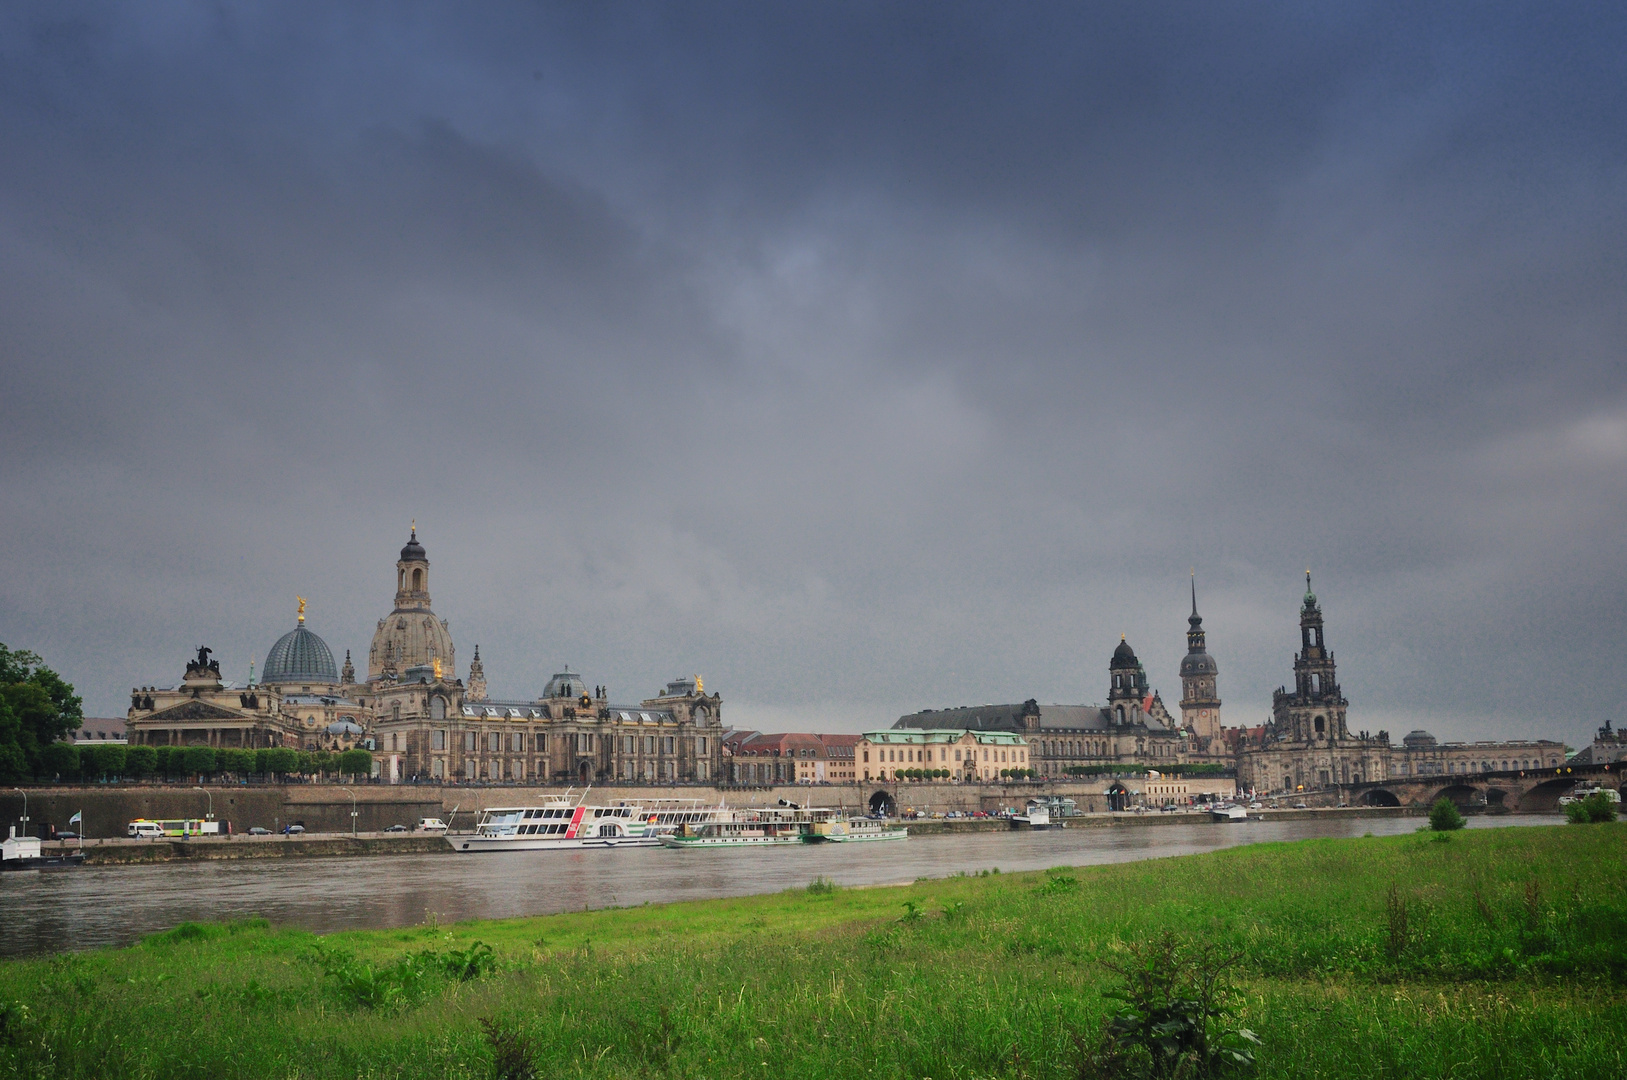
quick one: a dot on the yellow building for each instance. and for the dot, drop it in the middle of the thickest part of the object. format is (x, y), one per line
(959, 753)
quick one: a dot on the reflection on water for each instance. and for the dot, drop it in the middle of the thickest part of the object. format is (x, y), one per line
(50, 911)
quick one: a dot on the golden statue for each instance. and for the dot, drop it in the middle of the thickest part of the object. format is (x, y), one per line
(301, 600)
(700, 688)
(437, 662)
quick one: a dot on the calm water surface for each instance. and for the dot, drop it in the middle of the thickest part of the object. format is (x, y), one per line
(52, 911)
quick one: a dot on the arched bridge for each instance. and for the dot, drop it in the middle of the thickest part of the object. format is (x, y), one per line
(1526, 789)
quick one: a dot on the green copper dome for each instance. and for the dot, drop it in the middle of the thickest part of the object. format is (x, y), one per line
(299, 656)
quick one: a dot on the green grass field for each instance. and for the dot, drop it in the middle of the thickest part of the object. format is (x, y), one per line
(1495, 953)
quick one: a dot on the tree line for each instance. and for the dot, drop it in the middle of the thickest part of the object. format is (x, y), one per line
(39, 711)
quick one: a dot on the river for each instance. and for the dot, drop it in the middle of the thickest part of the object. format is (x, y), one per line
(61, 910)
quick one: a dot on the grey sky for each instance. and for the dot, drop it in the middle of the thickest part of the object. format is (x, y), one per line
(861, 358)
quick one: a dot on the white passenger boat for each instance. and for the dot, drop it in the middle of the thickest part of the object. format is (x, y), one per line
(856, 830)
(757, 828)
(558, 824)
(1229, 812)
(663, 816)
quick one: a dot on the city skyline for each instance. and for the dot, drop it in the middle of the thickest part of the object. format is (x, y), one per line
(861, 359)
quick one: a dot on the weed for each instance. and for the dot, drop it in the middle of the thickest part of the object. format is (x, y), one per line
(510, 1050)
(912, 911)
(1398, 932)
(822, 886)
(1174, 1016)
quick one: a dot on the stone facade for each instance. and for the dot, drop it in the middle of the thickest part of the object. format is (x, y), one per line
(965, 755)
(759, 759)
(1132, 728)
(422, 722)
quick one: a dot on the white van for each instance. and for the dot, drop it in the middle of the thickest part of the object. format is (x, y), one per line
(430, 824)
(144, 829)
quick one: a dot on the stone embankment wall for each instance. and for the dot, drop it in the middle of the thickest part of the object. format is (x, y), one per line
(326, 807)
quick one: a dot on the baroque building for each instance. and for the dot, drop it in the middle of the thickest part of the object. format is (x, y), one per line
(1133, 727)
(1307, 743)
(422, 721)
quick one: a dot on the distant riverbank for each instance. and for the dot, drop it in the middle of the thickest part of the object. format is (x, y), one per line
(121, 851)
(1402, 956)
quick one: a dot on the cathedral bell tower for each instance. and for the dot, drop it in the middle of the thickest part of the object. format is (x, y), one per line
(1315, 711)
(1200, 701)
(412, 576)
(1127, 695)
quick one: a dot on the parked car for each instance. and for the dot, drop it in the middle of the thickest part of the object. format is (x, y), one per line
(293, 830)
(1300, 806)
(430, 824)
(397, 828)
(259, 830)
(68, 835)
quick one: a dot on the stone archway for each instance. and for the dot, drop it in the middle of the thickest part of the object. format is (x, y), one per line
(1545, 796)
(1118, 797)
(883, 803)
(584, 771)
(1380, 797)
(1460, 794)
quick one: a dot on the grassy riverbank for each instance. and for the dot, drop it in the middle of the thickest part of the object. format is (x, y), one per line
(1496, 953)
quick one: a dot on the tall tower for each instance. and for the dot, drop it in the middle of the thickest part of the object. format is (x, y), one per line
(1127, 692)
(1315, 711)
(412, 576)
(1200, 701)
(477, 679)
(410, 636)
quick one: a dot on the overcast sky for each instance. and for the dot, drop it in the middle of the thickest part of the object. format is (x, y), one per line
(858, 357)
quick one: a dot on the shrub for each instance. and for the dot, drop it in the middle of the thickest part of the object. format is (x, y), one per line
(1596, 807)
(1174, 1015)
(1444, 817)
(140, 761)
(821, 886)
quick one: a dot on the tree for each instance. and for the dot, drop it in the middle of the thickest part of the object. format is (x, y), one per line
(37, 709)
(305, 763)
(1443, 816)
(200, 760)
(59, 761)
(261, 757)
(140, 761)
(280, 761)
(103, 762)
(356, 763)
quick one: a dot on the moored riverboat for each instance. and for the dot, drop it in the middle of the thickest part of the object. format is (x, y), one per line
(24, 853)
(556, 825)
(1228, 812)
(757, 827)
(857, 830)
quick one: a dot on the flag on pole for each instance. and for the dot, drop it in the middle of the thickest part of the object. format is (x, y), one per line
(79, 816)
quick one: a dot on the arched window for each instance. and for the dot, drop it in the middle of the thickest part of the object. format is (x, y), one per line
(400, 580)
(1319, 725)
(417, 581)
(437, 708)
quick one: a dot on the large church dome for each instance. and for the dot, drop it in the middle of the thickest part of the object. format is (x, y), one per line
(1198, 663)
(411, 636)
(299, 656)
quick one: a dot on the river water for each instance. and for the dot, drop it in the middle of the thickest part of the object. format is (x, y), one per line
(58, 910)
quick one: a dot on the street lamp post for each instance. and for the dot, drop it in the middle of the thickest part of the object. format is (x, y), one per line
(352, 795)
(24, 794)
(210, 815)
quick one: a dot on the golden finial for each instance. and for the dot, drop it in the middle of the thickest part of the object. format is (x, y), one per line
(301, 600)
(700, 688)
(437, 667)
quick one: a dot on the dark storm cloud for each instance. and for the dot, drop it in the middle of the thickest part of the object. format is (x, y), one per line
(862, 357)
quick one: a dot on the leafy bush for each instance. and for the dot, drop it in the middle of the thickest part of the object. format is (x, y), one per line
(821, 886)
(406, 981)
(1596, 807)
(1174, 1016)
(1444, 816)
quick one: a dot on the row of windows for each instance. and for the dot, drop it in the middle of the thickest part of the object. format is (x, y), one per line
(924, 756)
(520, 742)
